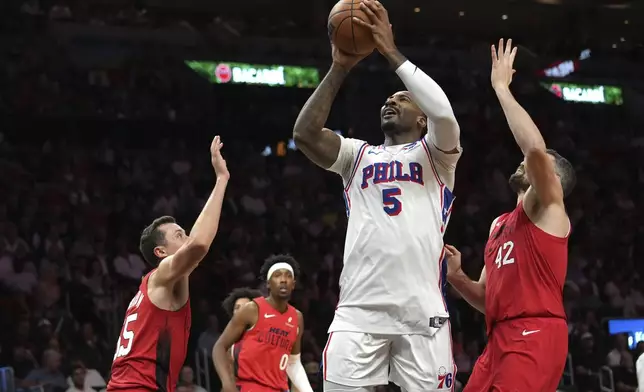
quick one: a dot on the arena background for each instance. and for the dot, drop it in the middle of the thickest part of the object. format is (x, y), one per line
(107, 109)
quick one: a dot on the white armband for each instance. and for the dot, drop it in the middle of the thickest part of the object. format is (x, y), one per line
(432, 100)
(297, 374)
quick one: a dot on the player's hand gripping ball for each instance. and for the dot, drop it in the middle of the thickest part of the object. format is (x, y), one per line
(378, 23)
(346, 33)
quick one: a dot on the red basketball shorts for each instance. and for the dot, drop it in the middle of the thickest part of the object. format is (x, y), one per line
(522, 355)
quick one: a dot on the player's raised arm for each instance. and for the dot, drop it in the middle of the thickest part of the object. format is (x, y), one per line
(473, 292)
(319, 144)
(550, 176)
(203, 232)
(525, 131)
(245, 318)
(426, 92)
(295, 370)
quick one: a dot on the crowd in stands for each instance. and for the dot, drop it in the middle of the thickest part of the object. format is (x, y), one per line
(89, 157)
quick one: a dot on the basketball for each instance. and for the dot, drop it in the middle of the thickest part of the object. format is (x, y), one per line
(347, 35)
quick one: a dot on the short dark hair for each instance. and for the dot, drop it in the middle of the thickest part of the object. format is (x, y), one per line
(272, 260)
(241, 292)
(77, 364)
(151, 237)
(565, 171)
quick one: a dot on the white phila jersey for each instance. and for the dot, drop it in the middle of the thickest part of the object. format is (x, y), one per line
(398, 201)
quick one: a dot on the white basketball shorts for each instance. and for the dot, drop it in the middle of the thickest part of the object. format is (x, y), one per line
(416, 363)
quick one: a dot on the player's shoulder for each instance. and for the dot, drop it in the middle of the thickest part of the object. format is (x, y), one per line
(253, 304)
(352, 140)
(251, 308)
(497, 221)
(159, 275)
(248, 314)
(355, 144)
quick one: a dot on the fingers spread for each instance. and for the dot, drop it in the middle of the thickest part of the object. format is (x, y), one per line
(513, 55)
(361, 22)
(368, 9)
(508, 48)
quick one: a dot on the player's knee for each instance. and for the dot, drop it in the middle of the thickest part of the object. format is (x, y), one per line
(333, 387)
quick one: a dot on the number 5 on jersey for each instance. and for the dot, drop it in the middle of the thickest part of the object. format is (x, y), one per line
(127, 335)
(504, 255)
(392, 205)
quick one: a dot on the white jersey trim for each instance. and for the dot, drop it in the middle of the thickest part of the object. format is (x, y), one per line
(442, 265)
(356, 165)
(431, 161)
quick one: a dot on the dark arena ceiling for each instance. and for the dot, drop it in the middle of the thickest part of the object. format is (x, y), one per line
(601, 24)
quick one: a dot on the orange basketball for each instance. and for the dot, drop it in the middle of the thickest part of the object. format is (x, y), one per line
(347, 35)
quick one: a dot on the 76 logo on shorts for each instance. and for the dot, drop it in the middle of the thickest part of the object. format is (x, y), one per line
(445, 380)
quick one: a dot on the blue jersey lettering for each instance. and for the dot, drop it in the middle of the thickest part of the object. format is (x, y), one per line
(386, 172)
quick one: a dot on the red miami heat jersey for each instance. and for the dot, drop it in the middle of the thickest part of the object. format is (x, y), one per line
(152, 346)
(525, 268)
(261, 355)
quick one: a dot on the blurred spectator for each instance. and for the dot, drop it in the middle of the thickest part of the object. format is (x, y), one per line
(43, 334)
(60, 12)
(208, 337)
(465, 359)
(24, 279)
(187, 378)
(84, 379)
(183, 388)
(13, 244)
(127, 264)
(167, 203)
(91, 350)
(31, 7)
(49, 375)
(624, 375)
(23, 362)
(49, 292)
(619, 354)
(587, 362)
(78, 379)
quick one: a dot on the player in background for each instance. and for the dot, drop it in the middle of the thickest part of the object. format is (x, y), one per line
(521, 286)
(267, 335)
(238, 298)
(391, 323)
(232, 304)
(153, 342)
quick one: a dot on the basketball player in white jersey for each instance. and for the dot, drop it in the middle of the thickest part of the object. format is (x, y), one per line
(391, 323)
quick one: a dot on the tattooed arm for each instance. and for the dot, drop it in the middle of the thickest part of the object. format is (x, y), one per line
(321, 145)
(395, 58)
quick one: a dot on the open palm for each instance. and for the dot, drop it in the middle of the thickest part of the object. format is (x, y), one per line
(502, 64)
(218, 161)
